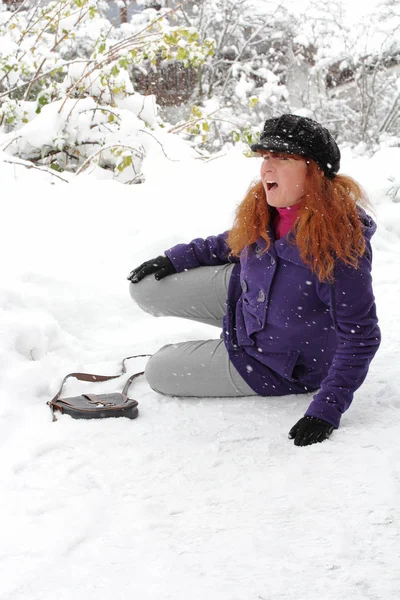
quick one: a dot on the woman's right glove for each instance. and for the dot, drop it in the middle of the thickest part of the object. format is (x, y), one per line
(310, 430)
(160, 266)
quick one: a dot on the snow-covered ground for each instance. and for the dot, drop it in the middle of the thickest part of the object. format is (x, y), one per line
(196, 498)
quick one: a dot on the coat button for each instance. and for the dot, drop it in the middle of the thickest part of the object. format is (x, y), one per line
(273, 261)
(258, 249)
(244, 285)
(261, 296)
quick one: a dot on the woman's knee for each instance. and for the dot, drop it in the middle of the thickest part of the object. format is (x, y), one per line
(156, 371)
(144, 293)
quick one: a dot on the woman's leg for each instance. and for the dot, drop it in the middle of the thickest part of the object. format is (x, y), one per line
(198, 294)
(200, 368)
(195, 368)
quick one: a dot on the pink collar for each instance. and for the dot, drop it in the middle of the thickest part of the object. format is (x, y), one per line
(284, 220)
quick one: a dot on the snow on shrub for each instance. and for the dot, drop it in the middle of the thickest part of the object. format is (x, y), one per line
(66, 96)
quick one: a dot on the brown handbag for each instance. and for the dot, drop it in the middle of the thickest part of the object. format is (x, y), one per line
(98, 406)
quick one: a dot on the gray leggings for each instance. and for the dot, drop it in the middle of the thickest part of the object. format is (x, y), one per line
(198, 368)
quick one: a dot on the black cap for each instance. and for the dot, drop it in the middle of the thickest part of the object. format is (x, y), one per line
(292, 134)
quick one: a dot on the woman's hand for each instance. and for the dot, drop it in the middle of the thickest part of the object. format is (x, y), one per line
(310, 430)
(160, 266)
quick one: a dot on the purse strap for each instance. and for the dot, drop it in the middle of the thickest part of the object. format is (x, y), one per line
(93, 378)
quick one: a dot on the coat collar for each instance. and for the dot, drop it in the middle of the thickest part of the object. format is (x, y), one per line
(284, 248)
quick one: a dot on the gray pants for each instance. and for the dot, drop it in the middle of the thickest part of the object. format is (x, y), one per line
(198, 368)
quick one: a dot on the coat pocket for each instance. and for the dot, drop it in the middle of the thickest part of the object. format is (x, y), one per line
(282, 363)
(254, 316)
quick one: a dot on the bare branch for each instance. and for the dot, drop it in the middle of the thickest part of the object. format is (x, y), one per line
(158, 142)
(55, 68)
(108, 147)
(14, 14)
(29, 165)
(34, 78)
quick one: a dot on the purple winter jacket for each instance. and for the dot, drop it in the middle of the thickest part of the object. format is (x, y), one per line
(281, 318)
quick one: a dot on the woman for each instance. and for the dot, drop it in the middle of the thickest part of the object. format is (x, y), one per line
(290, 284)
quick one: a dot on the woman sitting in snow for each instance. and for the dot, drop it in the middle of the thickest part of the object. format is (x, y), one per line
(292, 289)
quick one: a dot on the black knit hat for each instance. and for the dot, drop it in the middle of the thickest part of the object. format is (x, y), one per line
(292, 134)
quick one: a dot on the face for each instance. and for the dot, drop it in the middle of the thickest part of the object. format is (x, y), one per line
(283, 177)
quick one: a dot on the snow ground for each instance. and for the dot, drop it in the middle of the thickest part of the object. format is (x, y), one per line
(195, 498)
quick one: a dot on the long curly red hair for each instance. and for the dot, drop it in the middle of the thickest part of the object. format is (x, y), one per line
(327, 228)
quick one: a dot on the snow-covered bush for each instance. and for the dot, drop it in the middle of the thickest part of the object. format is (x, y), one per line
(354, 83)
(327, 61)
(69, 94)
(243, 81)
(67, 99)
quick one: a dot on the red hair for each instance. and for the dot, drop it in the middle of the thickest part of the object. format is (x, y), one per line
(327, 228)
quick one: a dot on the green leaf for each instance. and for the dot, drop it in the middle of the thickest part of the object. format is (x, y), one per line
(123, 63)
(181, 54)
(124, 163)
(196, 111)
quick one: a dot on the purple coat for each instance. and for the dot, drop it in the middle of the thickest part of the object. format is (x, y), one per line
(285, 331)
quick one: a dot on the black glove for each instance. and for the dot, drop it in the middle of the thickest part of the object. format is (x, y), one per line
(160, 266)
(310, 430)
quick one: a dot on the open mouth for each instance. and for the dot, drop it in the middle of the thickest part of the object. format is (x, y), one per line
(271, 185)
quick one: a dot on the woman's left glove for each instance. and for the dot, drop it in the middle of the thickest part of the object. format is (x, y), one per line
(160, 266)
(310, 430)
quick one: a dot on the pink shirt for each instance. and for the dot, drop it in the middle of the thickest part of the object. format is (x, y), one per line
(284, 220)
